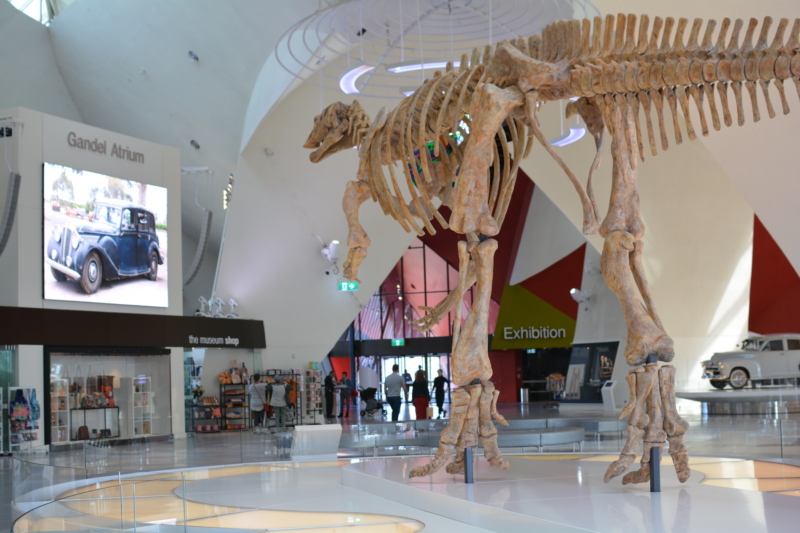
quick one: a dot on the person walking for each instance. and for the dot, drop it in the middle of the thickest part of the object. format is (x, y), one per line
(258, 397)
(278, 402)
(330, 387)
(345, 384)
(420, 395)
(438, 387)
(409, 381)
(394, 383)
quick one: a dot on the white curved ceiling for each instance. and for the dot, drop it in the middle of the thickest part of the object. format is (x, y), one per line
(127, 69)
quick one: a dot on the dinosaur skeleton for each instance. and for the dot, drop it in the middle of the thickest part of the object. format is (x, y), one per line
(460, 138)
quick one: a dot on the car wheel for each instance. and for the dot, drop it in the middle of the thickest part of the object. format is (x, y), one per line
(92, 274)
(153, 274)
(60, 276)
(738, 378)
(718, 383)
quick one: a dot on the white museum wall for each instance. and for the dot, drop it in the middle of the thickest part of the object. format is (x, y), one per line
(204, 280)
(698, 240)
(271, 263)
(127, 68)
(30, 76)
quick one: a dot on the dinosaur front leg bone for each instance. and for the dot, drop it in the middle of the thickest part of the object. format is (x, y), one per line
(644, 337)
(674, 425)
(449, 438)
(355, 194)
(469, 432)
(489, 107)
(471, 352)
(654, 435)
(640, 381)
(435, 314)
(461, 288)
(488, 432)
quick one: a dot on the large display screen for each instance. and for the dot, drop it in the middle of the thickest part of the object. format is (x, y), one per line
(105, 239)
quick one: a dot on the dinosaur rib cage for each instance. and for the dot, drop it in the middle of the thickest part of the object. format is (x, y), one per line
(430, 150)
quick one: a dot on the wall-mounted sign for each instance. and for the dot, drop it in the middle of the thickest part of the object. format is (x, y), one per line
(229, 341)
(62, 327)
(348, 285)
(100, 147)
(531, 332)
(398, 342)
(527, 321)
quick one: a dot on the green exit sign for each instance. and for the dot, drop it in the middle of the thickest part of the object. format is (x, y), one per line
(398, 342)
(348, 285)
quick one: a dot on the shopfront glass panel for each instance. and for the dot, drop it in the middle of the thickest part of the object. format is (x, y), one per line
(109, 396)
(206, 372)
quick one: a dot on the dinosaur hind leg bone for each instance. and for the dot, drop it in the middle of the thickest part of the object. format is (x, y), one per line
(644, 336)
(474, 401)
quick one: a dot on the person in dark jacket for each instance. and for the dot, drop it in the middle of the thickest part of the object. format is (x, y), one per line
(330, 387)
(420, 395)
(439, 383)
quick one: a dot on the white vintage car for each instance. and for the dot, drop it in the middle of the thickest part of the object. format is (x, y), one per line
(767, 357)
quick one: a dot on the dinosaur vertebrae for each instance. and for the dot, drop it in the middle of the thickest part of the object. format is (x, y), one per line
(612, 61)
(427, 133)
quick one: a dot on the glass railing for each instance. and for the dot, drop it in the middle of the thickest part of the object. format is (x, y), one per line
(112, 505)
(45, 474)
(41, 473)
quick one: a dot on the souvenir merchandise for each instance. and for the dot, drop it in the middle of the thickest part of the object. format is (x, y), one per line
(23, 416)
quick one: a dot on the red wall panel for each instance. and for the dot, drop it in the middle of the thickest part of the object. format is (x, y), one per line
(507, 377)
(774, 287)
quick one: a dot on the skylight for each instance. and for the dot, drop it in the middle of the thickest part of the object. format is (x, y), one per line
(42, 10)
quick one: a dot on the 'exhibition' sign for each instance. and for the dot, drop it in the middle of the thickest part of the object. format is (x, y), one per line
(534, 333)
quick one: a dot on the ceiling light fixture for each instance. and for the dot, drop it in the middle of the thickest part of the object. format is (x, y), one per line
(347, 83)
(575, 133)
(403, 39)
(411, 66)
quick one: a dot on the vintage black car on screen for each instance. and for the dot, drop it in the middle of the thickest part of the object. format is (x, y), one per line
(119, 242)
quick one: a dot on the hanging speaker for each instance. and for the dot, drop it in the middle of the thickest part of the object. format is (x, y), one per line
(12, 196)
(202, 245)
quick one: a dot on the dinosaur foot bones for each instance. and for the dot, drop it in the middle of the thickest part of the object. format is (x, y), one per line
(654, 420)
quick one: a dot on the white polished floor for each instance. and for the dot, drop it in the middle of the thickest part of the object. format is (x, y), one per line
(558, 495)
(315, 489)
(570, 496)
